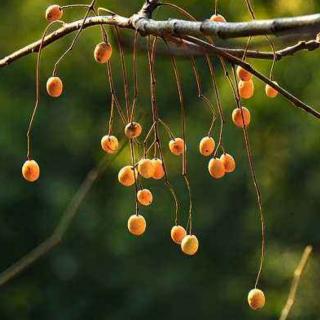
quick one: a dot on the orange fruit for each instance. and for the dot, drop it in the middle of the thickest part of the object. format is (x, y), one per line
(243, 74)
(206, 146)
(146, 168)
(241, 117)
(228, 162)
(54, 13)
(133, 130)
(246, 89)
(145, 197)
(54, 87)
(256, 299)
(271, 92)
(126, 176)
(109, 144)
(102, 52)
(190, 245)
(158, 169)
(31, 170)
(178, 233)
(217, 18)
(137, 225)
(177, 146)
(216, 168)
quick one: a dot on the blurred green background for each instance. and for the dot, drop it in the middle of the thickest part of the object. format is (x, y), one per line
(102, 272)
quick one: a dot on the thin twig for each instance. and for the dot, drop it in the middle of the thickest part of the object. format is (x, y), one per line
(295, 283)
(274, 59)
(219, 105)
(155, 118)
(75, 39)
(254, 180)
(135, 76)
(37, 99)
(67, 217)
(124, 73)
(184, 137)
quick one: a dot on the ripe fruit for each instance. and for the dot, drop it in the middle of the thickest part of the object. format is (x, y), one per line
(103, 52)
(237, 117)
(54, 87)
(54, 13)
(178, 233)
(206, 146)
(190, 245)
(246, 89)
(271, 92)
(145, 197)
(31, 170)
(228, 162)
(158, 169)
(126, 176)
(218, 18)
(216, 168)
(177, 146)
(146, 168)
(256, 299)
(109, 144)
(243, 74)
(133, 130)
(137, 225)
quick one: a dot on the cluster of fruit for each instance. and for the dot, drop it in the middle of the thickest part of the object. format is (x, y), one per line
(246, 85)
(154, 168)
(148, 169)
(241, 117)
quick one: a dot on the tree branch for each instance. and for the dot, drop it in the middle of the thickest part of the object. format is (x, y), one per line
(278, 27)
(185, 48)
(236, 61)
(62, 32)
(174, 27)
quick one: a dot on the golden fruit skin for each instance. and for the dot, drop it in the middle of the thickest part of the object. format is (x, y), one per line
(177, 146)
(228, 162)
(145, 197)
(133, 130)
(126, 176)
(54, 13)
(190, 245)
(271, 92)
(246, 89)
(256, 299)
(109, 144)
(216, 168)
(217, 18)
(146, 168)
(178, 233)
(158, 169)
(243, 74)
(31, 171)
(237, 117)
(207, 146)
(137, 225)
(102, 52)
(54, 87)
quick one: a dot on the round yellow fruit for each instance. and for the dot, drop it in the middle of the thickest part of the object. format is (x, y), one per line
(190, 245)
